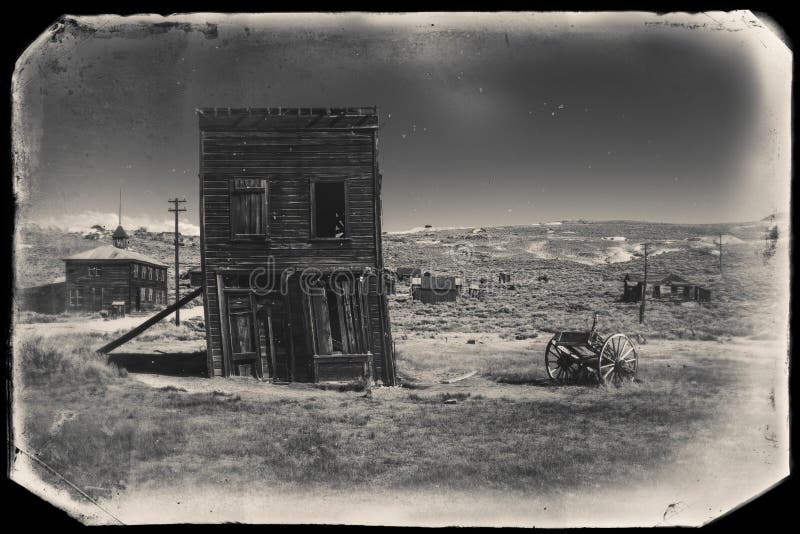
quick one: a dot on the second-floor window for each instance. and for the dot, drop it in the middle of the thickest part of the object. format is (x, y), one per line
(135, 270)
(248, 208)
(95, 271)
(329, 209)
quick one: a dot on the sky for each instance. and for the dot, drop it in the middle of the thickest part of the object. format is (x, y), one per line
(486, 119)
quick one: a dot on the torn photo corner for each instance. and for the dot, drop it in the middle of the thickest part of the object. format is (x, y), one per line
(418, 269)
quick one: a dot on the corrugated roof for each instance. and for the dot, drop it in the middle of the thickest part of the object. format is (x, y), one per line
(109, 253)
(439, 283)
(277, 118)
(658, 278)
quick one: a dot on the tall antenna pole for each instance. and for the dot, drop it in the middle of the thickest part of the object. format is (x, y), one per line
(177, 210)
(120, 206)
(644, 287)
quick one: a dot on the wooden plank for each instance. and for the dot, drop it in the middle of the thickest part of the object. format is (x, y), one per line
(223, 326)
(150, 322)
(321, 320)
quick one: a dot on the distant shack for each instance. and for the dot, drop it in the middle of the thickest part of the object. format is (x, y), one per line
(663, 286)
(389, 282)
(407, 273)
(46, 298)
(194, 276)
(435, 289)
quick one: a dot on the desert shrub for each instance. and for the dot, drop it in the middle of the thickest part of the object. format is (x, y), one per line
(29, 317)
(63, 358)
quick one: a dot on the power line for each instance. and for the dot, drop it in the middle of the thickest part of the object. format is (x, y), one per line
(644, 287)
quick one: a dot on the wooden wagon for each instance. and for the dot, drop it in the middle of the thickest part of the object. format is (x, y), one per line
(581, 357)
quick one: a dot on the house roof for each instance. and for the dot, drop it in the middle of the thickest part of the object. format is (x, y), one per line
(276, 118)
(658, 278)
(109, 253)
(188, 273)
(119, 232)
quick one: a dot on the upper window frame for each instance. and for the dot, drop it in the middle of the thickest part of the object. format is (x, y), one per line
(265, 183)
(312, 182)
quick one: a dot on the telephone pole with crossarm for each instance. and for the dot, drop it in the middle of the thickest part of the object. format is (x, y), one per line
(176, 210)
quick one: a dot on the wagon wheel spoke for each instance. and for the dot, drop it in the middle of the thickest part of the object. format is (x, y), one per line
(616, 360)
(560, 364)
(607, 373)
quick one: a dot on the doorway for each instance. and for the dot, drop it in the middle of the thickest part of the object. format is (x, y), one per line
(259, 336)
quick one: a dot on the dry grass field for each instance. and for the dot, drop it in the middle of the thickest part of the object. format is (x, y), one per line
(705, 411)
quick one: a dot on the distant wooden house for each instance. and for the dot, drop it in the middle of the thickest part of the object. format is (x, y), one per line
(663, 286)
(285, 192)
(194, 276)
(407, 273)
(169, 237)
(475, 289)
(430, 289)
(97, 278)
(504, 278)
(46, 298)
(389, 282)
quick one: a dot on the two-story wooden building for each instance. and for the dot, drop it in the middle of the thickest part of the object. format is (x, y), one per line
(291, 244)
(109, 277)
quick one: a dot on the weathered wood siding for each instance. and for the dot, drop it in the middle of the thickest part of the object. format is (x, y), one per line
(47, 298)
(289, 154)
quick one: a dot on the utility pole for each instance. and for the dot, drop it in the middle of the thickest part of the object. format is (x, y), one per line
(177, 209)
(644, 287)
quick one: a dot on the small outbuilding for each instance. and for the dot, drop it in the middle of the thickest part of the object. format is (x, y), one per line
(407, 273)
(663, 286)
(46, 298)
(430, 289)
(194, 276)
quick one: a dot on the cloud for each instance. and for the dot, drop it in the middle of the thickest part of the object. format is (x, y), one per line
(82, 222)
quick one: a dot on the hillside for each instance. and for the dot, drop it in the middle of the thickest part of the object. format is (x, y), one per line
(39, 251)
(584, 263)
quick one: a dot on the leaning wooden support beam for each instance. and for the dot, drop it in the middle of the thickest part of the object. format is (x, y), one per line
(460, 378)
(150, 322)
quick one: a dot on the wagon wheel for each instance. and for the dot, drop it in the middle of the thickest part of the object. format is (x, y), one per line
(617, 361)
(563, 368)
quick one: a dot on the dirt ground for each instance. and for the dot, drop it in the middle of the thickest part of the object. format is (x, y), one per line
(718, 463)
(94, 324)
(738, 455)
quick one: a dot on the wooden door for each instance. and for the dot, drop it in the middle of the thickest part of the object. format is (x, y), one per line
(319, 323)
(245, 357)
(97, 298)
(274, 323)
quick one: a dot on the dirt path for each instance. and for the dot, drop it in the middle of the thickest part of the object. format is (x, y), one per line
(86, 324)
